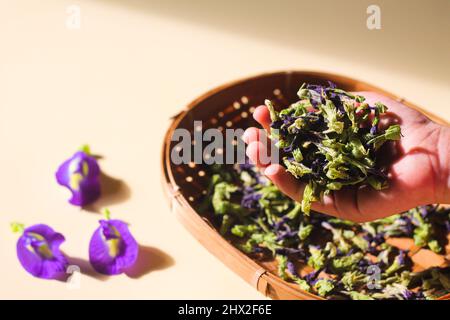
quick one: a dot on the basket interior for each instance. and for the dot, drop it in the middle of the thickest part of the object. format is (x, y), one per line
(231, 107)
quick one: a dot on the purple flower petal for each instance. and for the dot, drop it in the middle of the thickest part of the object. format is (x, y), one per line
(410, 295)
(363, 264)
(292, 269)
(447, 226)
(112, 248)
(373, 130)
(38, 252)
(423, 211)
(250, 199)
(299, 253)
(81, 175)
(277, 225)
(285, 235)
(401, 257)
(310, 277)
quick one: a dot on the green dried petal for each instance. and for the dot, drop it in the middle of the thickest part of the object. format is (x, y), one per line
(273, 114)
(346, 263)
(317, 258)
(304, 231)
(324, 287)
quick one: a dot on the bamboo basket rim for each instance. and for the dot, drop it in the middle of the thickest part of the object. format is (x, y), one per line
(249, 270)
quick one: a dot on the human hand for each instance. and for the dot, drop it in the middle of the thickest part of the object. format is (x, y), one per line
(419, 167)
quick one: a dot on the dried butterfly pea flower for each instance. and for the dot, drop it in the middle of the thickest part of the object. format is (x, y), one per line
(38, 251)
(327, 141)
(352, 279)
(346, 263)
(324, 287)
(304, 231)
(419, 223)
(287, 271)
(222, 196)
(317, 258)
(399, 263)
(275, 227)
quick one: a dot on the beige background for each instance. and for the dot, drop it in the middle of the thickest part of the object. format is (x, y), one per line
(115, 82)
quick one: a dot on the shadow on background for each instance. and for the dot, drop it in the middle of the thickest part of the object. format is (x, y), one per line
(412, 30)
(113, 191)
(86, 268)
(149, 259)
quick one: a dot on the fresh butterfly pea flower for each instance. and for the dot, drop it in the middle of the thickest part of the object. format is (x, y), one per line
(38, 251)
(112, 249)
(81, 175)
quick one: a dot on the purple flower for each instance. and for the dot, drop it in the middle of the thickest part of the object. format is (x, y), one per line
(373, 130)
(247, 166)
(279, 224)
(277, 124)
(81, 175)
(250, 199)
(424, 211)
(401, 257)
(292, 269)
(410, 295)
(282, 235)
(314, 281)
(112, 249)
(331, 84)
(311, 277)
(407, 228)
(38, 251)
(316, 87)
(363, 264)
(374, 241)
(299, 253)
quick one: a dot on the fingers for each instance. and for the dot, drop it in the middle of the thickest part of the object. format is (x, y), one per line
(254, 134)
(343, 204)
(262, 115)
(257, 153)
(259, 147)
(286, 182)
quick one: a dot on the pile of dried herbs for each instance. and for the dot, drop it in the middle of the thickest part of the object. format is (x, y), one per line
(345, 260)
(329, 139)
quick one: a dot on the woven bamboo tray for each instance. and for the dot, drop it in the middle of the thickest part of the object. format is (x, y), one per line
(230, 106)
